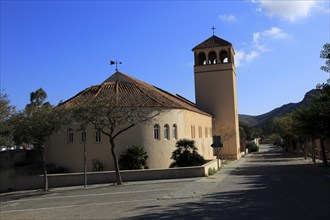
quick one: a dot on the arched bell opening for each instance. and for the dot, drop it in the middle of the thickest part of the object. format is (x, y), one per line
(212, 57)
(223, 55)
(201, 59)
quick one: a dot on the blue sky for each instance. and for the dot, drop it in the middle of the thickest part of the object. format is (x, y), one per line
(65, 46)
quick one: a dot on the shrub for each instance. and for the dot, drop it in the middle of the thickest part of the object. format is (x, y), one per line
(252, 147)
(97, 165)
(212, 171)
(186, 154)
(53, 169)
(133, 158)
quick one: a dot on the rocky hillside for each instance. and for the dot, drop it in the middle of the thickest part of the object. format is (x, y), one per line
(262, 120)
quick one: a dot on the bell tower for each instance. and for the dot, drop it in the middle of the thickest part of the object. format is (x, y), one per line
(215, 91)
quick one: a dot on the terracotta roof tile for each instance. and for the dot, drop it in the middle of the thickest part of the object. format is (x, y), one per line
(129, 91)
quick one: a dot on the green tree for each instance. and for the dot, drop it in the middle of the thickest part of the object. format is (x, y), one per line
(304, 124)
(242, 138)
(186, 154)
(111, 113)
(284, 127)
(135, 157)
(325, 54)
(37, 123)
(6, 129)
(248, 130)
(320, 113)
(313, 120)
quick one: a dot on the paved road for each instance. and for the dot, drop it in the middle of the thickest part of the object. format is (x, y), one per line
(264, 185)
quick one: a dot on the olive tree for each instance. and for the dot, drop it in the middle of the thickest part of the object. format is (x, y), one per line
(36, 123)
(6, 129)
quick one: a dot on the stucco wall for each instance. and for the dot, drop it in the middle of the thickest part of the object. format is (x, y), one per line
(70, 156)
(215, 89)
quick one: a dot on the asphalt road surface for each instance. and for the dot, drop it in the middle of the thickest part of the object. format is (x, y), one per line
(269, 184)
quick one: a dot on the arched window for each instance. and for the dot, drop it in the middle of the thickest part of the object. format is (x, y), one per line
(156, 132)
(175, 131)
(223, 56)
(70, 136)
(98, 136)
(212, 57)
(166, 132)
(201, 59)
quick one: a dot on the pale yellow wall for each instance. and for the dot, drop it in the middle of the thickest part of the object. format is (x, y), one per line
(203, 144)
(215, 90)
(159, 151)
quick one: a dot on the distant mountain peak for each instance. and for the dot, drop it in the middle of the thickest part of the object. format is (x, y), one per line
(263, 119)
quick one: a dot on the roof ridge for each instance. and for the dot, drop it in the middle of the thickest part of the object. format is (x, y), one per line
(213, 41)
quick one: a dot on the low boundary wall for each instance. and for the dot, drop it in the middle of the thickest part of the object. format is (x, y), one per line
(11, 182)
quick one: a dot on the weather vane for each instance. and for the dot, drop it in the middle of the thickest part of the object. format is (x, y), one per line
(115, 62)
(213, 28)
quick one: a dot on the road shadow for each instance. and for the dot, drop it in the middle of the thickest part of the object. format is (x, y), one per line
(264, 189)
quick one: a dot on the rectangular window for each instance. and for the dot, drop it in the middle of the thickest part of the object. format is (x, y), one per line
(98, 135)
(193, 131)
(70, 136)
(200, 130)
(206, 132)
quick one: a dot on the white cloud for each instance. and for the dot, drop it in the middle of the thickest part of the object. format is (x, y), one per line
(227, 18)
(242, 57)
(256, 37)
(259, 45)
(239, 58)
(275, 32)
(251, 56)
(288, 10)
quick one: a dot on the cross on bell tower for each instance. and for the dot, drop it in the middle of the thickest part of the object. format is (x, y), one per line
(213, 28)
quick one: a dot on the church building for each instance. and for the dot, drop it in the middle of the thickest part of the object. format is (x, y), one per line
(215, 112)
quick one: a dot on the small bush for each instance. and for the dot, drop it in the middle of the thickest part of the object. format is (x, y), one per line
(97, 165)
(53, 169)
(186, 154)
(133, 158)
(252, 147)
(212, 171)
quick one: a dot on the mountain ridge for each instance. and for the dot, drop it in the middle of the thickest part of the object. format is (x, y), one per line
(263, 119)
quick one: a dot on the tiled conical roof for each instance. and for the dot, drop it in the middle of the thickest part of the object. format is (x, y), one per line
(213, 41)
(131, 92)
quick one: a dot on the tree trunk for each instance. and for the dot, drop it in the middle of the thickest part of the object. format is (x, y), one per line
(44, 168)
(313, 151)
(324, 156)
(115, 160)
